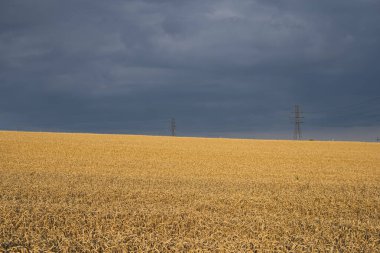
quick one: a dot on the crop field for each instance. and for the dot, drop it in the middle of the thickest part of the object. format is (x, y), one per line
(123, 193)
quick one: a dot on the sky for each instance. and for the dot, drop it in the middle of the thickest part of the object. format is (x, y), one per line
(220, 68)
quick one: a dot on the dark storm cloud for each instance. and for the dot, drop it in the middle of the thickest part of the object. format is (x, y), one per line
(230, 68)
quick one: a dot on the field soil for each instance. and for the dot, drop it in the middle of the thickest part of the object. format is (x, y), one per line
(123, 193)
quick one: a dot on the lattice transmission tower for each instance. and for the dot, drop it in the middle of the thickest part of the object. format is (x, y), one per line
(297, 123)
(173, 127)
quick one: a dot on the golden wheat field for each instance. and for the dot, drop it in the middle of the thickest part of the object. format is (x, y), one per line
(122, 193)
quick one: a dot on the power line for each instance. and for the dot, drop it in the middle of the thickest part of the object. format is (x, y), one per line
(348, 107)
(355, 114)
(354, 117)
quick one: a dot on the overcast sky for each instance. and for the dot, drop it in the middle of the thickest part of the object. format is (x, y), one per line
(221, 68)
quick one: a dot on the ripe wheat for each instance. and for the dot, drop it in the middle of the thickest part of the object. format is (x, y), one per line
(88, 192)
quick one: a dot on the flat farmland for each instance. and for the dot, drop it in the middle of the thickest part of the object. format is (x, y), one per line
(124, 193)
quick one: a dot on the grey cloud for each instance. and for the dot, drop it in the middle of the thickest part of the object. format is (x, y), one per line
(232, 67)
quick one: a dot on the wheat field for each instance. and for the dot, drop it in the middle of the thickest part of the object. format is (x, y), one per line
(122, 193)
